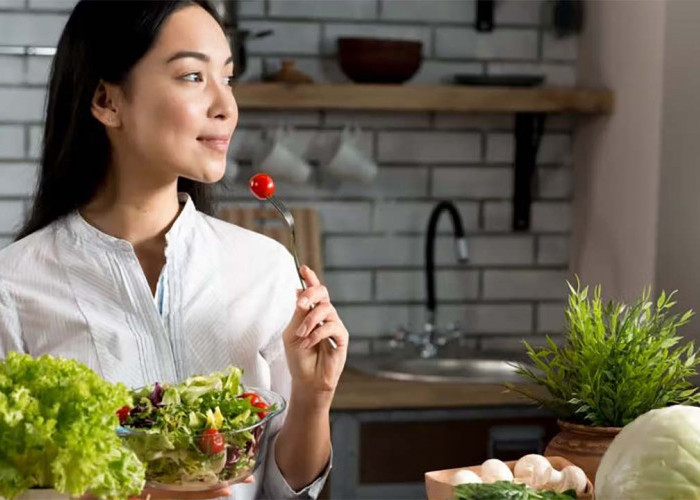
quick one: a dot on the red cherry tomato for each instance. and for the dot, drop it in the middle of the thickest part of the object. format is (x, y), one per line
(123, 414)
(254, 398)
(212, 442)
(262, 405)
(262, 186)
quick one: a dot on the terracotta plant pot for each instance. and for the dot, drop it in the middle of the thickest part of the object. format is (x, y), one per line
(583, 445)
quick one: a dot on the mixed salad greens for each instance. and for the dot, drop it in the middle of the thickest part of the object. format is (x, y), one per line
(199, 432)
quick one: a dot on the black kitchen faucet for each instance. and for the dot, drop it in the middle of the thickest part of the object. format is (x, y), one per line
(462, 253)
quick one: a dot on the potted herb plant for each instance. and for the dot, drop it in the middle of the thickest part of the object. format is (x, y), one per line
(58, 432)
(616, 363)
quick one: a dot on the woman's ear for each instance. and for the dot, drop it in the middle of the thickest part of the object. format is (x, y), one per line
(104, 105)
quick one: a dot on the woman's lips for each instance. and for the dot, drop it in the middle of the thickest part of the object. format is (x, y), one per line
(215, 144)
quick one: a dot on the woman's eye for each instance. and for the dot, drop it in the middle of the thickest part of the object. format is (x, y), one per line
(230, 81)
(198, 75)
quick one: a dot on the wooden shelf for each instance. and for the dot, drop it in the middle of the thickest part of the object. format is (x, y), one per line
(450, 98)
(530, 106)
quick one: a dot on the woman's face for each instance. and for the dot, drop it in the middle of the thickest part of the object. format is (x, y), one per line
(179, 111)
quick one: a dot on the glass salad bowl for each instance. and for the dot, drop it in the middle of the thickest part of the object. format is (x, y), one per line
(198, 442)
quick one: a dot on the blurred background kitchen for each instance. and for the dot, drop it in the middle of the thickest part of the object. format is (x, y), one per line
(590, 192)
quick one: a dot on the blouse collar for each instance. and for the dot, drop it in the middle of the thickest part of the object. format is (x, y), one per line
(80, 229)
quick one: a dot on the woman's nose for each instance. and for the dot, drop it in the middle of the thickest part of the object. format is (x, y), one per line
(223, 103)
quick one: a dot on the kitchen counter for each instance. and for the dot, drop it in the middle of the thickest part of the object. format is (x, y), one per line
(359, 391)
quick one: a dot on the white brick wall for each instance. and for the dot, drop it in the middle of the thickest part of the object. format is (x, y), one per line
(450, 11)
(58, 5)
(342, 217)
(413, 217)
(550, 318)
(553, 250)
(38, 69)
(409, 286)
(556, 48)
(554, 148)
(11, 213)
(18, 179)
(545, 285)
(554, 217)
(444, 71)
(20, 104)
(334, 31)
(31, 29)
(492, 182)
(352, 286)
(433, 147)
(517, 12)
(498, 215)
(11, 4)
(11, 69)
(356, 10)
(489, 318)
(11, 141)
(501, 44)
(288, 37)
(374, 235)
(555, 74)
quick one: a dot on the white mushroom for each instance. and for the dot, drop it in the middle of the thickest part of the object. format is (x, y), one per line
(533, 470)
(574, 479)
(570, 478)
(465, 476)
(494, 470)
(554, 481)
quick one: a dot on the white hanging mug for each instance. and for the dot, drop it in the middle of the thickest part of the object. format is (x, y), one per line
(277, 158)
(348, 162)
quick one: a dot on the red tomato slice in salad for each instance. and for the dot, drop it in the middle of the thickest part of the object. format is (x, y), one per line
(263, 406)
(123, 414)
(212, 442)
(254, 398)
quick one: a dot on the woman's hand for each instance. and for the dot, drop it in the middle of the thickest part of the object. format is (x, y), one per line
(313, 363)
(155, 493)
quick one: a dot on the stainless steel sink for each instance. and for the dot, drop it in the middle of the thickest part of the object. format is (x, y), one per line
(471, 367)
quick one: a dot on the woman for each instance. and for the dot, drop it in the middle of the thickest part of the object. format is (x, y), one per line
(120, 267)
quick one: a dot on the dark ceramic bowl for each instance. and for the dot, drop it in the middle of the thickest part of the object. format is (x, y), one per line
(376, 60)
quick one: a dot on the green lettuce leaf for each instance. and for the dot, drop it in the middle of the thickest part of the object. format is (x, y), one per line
(57, 430)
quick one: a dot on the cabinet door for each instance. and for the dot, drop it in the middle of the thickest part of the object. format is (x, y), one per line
(395, 452)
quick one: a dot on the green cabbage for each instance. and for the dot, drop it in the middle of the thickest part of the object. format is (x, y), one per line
(57, 430)
(656, 456)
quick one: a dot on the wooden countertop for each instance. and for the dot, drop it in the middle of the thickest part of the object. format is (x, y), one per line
(359, 391)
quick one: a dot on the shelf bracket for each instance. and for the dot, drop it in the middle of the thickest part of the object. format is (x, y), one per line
(528, 134)
(484, 15)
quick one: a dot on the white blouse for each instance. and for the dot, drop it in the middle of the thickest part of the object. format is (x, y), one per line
(225, 297)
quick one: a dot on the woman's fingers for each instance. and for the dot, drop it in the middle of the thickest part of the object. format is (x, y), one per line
(311, 296)
(309, 276)
(322, 332)
(321, 313)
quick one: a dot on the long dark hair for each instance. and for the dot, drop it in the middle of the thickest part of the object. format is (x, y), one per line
(102, 40)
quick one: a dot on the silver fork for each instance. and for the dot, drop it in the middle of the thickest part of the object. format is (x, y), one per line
(289, 219)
